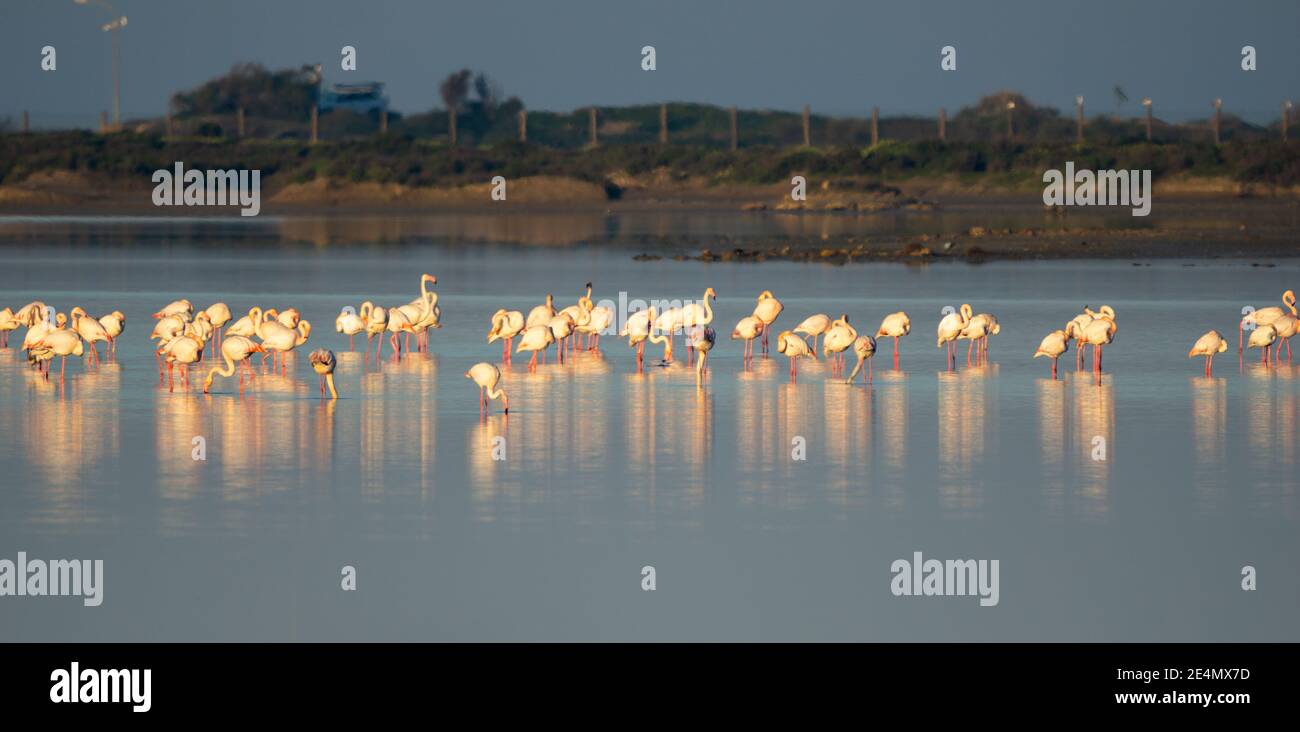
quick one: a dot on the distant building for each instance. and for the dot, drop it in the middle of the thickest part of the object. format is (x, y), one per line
(362, 98)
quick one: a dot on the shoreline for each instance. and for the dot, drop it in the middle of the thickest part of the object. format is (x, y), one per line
(914, 221)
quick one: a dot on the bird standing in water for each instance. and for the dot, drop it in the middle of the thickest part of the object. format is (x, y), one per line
(488, 376)
(323, 363)
(1208, 345)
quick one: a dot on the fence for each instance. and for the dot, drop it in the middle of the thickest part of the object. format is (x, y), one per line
(992, 120)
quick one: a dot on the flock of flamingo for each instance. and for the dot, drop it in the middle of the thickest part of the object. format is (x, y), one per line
(184, 335)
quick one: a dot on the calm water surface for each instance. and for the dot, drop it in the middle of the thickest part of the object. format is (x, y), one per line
(609, 470)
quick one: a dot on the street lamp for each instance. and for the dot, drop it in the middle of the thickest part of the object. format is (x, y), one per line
(114, 26)
(1286, 117)
(1146, 102)
(1011, 133)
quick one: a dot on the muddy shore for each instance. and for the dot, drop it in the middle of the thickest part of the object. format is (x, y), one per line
(840, 222)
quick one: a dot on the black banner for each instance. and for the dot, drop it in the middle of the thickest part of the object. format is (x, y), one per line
(236, 680)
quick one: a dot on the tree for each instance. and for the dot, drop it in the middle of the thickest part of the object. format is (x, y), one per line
(455, 89)
(488, 92)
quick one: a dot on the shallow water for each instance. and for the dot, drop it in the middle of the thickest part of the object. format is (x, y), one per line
(608, 470)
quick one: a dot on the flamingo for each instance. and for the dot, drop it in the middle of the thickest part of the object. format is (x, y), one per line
(7, 323)
(323, 363)
(183, 350)
(669, 321)
(234, 349)
(1052, 346)
(536, 338)
(1099, 333)
(749, 328)
(767, 310)
(599, 320)
(181, 308)
(895, 325)
(218, 315)
(793, 347)
(1262, 338)
(542, 314)
(561, 328)
(950, 329)
(40, 327)
(1208, 345)
(376, 323)
(979, 329)
(60, 342)
(506, 324)
(278, 339)
(701, 338)
(349, 324)
(31, 313)
(865, 348)
(421, 311)
(114, 323)
(974, 331)
(488, 376)
(165, 330)
(638, 329)
(397, 323)
(1266, 316)
(289, 318)
(433, 314)
(200, 328)
(247, 325)
(697, 314)
(579, 313)
(814, 325)
(90, 331)
(838, 339)
(1286, 327)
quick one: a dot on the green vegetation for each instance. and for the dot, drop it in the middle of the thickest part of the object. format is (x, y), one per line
(396, 158)
(415, 150)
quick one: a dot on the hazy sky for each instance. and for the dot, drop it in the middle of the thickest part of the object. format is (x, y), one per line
(839, 56)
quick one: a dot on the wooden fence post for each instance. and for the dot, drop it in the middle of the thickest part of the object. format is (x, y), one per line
(807, 134)
(1218, 120)
(383, 121)
(27, 127)
(451, 125)
(591, 125)
(1078, 120)
(315, 124)
(663, 124)
(523, 125)
(734, 140)
(240, 117)
(875, 126)
(943, 124)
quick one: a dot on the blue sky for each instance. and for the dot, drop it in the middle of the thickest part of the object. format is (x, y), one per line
(838, 56)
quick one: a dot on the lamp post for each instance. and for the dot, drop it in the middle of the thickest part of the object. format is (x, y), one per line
(1286, 117)
(1146, 103)
(1011, 130)
(115, 27)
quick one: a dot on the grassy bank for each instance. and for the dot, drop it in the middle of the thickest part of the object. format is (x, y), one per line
(126, 160)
